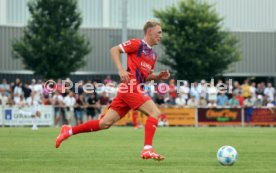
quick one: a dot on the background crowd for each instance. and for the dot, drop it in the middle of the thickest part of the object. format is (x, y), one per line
(76, 103)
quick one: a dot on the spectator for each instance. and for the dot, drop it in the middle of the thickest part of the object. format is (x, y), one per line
(5, 87)
(69, 103)
(16, 98)
(192, 102)
(237, 88)
(80, 87)
(57, 102)
(248, 104)
(32, 85)
(222, 99)
(240, 98)
(38, 89)
(104, 100)
(26, 90)
(10, 101)
(233, 102)
(180, 101)
(36, 112)
(202, 89)
(260, 89)
(269, 91)
(59, 86)
(159, 100)
(270, 104)
(14, 84)
(202, 102)
(18, 88)
(21, 101)
(107, 80)
(46, 93)
(246, 89)
(92, 106)
(3, 98)
(259, 101)
(184, 91)
(265, 100)
(212, 93)
(170, 101)
(212, 104)
(172, 89)
(79, 108)
(194, 92)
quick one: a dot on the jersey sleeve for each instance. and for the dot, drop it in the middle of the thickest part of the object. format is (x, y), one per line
(130, 46)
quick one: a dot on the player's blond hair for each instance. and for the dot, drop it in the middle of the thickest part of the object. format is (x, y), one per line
(150, 24)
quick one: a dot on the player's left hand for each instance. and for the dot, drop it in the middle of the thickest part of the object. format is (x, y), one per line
(163, 75)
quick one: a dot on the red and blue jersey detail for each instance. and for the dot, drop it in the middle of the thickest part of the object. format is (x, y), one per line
(140, 59)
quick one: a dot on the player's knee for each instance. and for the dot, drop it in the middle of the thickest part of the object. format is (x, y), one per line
(156, 113)
(106, 125)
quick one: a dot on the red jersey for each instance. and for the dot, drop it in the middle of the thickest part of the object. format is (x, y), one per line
(140, 59)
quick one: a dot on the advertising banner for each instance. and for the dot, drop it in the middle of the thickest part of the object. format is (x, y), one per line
(179, 116)
(261, 116)
(25, 115)
(169, 116)
(216, 116)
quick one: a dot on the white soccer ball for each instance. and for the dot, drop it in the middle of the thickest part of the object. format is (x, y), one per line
(227, 155)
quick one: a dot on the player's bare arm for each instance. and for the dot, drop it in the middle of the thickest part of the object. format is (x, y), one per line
(115, 55)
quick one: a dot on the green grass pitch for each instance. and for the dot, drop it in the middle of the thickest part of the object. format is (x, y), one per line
(117, 150)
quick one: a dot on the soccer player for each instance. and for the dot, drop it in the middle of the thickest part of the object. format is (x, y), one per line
(140, 64)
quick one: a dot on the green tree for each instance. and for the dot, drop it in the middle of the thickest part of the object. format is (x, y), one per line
(195, 45)
(52, 45)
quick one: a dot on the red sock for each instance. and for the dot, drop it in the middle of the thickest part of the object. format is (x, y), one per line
(90, 126)
(150, 128)
(134, 118)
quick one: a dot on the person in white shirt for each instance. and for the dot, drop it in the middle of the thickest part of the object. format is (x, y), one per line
(184, 91)
(202, 89)
(180, 101)
(16, 98)
(3, 98)
(269, 91)
(21, 101)
(69, 102)
(18, 89)
(192, 102)
(38, 88)
(35, 109)
(212, 93)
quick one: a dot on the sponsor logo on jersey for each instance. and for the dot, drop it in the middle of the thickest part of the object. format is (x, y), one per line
(127, 43)
(146, 65)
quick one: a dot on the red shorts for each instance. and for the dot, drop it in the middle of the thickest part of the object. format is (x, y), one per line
(123, 102)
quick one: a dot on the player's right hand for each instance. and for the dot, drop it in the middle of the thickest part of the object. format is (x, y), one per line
(124, 75)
